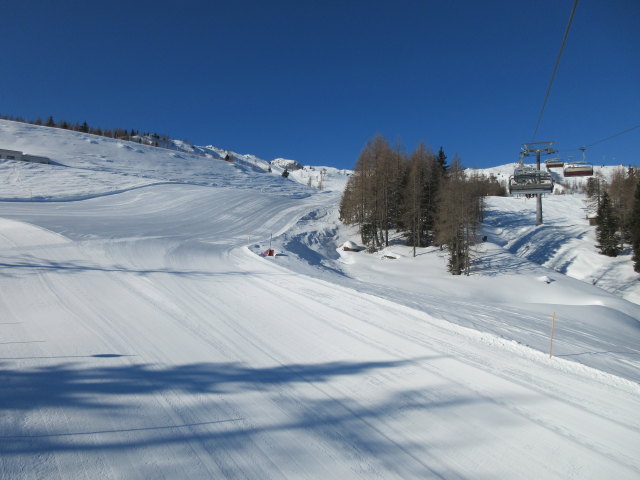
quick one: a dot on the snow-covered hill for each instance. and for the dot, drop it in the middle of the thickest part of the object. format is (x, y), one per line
(89, 165)
(143, 336)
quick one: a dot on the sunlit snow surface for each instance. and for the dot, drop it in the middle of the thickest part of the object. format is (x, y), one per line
(143, 336)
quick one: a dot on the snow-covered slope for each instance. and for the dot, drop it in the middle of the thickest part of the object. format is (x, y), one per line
(144, 337)
(87, 165)
(565, 242)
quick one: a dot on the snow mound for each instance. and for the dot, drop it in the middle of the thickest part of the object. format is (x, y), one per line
(350, 246)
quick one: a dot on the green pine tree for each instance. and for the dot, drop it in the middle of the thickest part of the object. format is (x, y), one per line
(606, 228)
(442, 161)
(635, 229)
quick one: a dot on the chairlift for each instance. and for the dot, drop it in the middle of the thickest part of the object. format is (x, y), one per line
(554, 163)
(579, 169)
(528, 180)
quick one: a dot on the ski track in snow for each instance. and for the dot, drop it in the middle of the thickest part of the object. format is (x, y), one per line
(142, 337)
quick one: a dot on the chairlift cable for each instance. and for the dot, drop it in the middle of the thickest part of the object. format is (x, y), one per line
(613, 136)
(622, 132)
(555, 69)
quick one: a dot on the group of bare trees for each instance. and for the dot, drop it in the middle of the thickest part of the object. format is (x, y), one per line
(460, 210)
(370, 197)
(430, 202)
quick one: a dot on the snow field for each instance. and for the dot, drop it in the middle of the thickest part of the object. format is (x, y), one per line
(143, 337)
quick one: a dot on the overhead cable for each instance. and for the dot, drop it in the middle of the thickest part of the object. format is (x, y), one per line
(613, 136)
(555, 69)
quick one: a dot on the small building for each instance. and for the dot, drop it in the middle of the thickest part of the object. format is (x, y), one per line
(24, 157)
(10, 154)
(35, 159)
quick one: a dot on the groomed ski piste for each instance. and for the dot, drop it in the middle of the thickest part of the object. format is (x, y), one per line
(142, 334)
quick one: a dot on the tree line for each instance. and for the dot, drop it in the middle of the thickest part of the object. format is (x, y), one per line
(418, 195)
(617, 206)
(147, 138)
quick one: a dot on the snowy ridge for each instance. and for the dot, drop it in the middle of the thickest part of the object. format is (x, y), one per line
(286, 163)
(87, 165)
(144, 336)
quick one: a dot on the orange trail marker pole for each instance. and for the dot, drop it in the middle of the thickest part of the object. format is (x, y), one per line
(553, 321)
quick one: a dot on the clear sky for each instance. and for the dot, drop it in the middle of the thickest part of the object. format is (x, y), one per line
(314, 80)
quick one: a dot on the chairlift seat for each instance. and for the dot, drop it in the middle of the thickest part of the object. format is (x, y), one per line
(578, 169)
(528, 180)
(554, 163)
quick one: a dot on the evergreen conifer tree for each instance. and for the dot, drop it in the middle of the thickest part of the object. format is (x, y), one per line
(441, 161)
(606, 228)
(635, 229)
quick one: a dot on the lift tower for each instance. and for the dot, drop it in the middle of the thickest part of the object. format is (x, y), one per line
(538, 148)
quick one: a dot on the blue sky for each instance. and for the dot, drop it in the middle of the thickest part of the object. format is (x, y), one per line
(314, 81)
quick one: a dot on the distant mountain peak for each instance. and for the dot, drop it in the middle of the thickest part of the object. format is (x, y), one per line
(286, 163)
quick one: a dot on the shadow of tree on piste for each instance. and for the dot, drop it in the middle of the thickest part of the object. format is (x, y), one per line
(68, 385)
(28, 264)
(219, 410)
(498, 262)
(496, 219)
(542, 244)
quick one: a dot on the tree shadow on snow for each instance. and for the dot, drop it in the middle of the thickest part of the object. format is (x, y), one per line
(542, 244)
(498, 220)
(67, 385)
(216, 421)
(28, 264)
(499, 262)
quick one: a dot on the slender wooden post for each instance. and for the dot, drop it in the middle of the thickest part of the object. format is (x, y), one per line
(553, 322)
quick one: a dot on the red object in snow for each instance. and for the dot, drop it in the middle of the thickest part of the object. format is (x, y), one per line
(269, 253)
